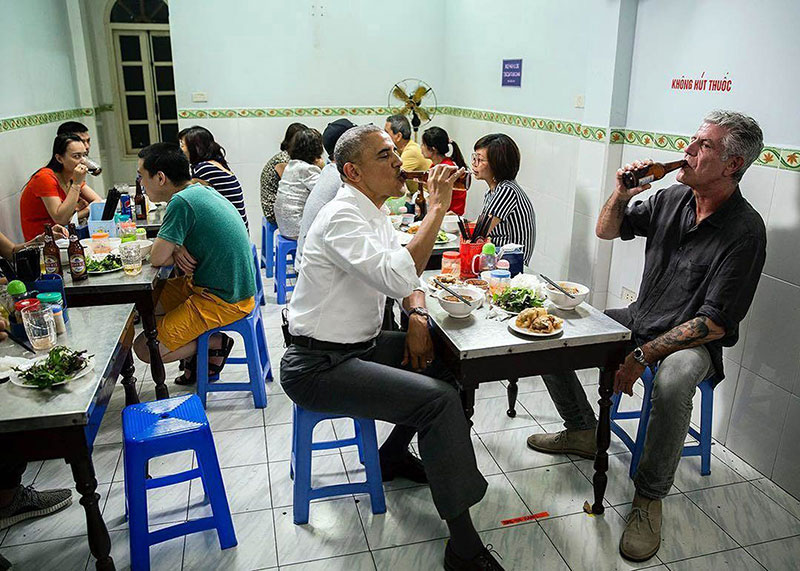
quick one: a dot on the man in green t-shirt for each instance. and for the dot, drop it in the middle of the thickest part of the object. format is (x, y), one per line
(204, 236)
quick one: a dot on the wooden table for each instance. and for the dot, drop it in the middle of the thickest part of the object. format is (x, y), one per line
(62, 422)
(118, 288)
(479, 350)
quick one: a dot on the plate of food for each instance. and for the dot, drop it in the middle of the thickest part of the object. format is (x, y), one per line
(61, 365)
(536, 322)
(446, 279)
(515, 299)
(441, 238)
(103, 264)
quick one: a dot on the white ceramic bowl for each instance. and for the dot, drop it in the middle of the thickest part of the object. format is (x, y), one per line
(561, 301)
(113, 244)
(450, 224)
(459, 309)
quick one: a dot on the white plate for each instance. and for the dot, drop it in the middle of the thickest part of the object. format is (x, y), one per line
(105, 272)
(405, 238)
(86, 369)
(527, 332)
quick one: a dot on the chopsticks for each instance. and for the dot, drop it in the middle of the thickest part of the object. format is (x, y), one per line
(558, 287)
(451, 292)
(463, 228)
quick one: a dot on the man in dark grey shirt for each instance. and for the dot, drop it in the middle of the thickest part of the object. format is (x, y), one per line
(706, 247)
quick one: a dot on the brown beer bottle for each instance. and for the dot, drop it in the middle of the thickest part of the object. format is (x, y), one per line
(462, 183)
(77, 257)
(52, 255)
(422, 205)
(139, 202)
(649, 173)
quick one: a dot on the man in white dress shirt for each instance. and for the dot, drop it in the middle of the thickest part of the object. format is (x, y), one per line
(340, 361)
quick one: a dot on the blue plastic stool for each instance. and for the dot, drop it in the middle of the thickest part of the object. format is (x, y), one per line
(251, 329)
(260, 296)
(162, 427)
(285, 248)
(268, 230)
(303, 444)
(702, 449)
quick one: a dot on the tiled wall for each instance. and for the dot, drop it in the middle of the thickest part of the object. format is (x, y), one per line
(756, 407)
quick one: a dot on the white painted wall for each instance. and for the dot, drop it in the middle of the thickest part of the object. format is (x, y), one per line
(756, 406)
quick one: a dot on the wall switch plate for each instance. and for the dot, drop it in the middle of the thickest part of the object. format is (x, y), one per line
(628, 295)
(580, 101)
(199, 97)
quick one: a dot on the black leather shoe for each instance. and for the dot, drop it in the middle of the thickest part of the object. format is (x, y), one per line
(409, 467)
(484, 561)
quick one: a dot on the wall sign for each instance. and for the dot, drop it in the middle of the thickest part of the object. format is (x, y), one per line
(512, 73)
(702, 83)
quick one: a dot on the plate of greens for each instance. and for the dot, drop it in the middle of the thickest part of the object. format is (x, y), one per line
(104, 265)
(515, 299)
(62, 365)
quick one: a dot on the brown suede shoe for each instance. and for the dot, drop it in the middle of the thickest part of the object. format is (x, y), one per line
(642, 536)
(582, 443)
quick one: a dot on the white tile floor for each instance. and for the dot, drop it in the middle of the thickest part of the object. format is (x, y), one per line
(733, 519)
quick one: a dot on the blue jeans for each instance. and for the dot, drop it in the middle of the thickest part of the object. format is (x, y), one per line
(673, 389)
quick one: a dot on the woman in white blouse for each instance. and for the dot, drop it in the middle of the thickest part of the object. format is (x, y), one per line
(298, 180)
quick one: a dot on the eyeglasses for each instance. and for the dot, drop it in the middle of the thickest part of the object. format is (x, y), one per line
(477, 159)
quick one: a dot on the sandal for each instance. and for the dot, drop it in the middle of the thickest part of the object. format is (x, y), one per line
(224, 351)
(189, 376)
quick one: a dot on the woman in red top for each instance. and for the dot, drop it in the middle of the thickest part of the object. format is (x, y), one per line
(435, 146)
(57, 190)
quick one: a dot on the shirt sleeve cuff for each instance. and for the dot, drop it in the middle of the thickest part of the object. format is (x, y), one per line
(403, 265)
(626, 230)
(717, 317)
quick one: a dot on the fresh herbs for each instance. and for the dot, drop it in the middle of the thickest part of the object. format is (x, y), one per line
(61, 364)
(110, 262)
(515, 299)
(442, 236)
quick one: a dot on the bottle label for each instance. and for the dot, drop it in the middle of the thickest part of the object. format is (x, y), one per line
(646, 180)
(77, 264)
(51, 265)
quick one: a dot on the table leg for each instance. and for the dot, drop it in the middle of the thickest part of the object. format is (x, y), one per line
(600, 479)
(147, 311)
(129, 381)
(512, 390)
(468, 402)
(86, 484)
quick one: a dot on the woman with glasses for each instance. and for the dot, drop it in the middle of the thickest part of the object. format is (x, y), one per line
(58, 190)
(513, 221)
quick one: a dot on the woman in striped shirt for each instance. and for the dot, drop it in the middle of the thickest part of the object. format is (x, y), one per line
(207, 159)
(496, 160)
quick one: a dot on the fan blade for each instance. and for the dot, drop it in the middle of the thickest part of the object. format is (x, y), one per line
(423, 114)
(400, 94)
(419, 93)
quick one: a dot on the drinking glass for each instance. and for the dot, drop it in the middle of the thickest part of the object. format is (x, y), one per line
(131, 258)
(40, 326)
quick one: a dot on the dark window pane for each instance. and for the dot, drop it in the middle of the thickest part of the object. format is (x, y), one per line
(164, 79)
(137, 107)
(169, 133)
(162, 51)
(167, 108)
(140, 135)
(140, 12)
(133, 77)
(129, 48)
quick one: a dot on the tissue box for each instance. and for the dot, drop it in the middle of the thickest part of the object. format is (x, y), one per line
(97, 225)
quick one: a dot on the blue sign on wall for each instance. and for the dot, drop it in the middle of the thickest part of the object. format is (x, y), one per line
(512, 73)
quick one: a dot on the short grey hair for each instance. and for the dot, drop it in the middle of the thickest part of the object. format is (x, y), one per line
(350, 146)
(743, 139)
(400, 124)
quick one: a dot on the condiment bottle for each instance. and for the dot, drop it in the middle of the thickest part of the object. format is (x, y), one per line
(100, 243)
(77, 256)
(451, 263)
(141, 234)
(58, 317)
(499, 281)
(487, 260)
(51, 253)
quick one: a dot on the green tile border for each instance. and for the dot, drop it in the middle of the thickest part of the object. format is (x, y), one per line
(24, 121)
(269, 112)
(774, 157)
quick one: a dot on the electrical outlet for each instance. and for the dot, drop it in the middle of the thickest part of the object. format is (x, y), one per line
(199, 97)
(628, 295)
(580, 101)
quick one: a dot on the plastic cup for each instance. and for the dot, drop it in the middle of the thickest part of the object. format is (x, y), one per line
(40, 327)
(131, 258)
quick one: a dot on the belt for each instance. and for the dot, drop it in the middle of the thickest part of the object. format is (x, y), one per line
(316, 344)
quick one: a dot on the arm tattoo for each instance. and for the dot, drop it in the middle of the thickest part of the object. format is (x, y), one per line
(612, 213)
(694, 332)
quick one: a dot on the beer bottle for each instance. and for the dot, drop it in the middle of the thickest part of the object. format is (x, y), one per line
(462, 183)
(649, 173)
(422, 206)
(77, 257)
(52, 255)
(140, 204)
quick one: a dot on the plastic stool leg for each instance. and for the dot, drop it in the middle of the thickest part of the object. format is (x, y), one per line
(254, 366)
(136, 497)
(302, 470)
(368, 447)
(706, 412)
(270, 253)
(212, 477)
(202, 367)
(280, 276)
(263, 350)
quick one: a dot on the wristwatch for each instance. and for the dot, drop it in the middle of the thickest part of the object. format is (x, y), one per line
(419, 311)
(638, 355)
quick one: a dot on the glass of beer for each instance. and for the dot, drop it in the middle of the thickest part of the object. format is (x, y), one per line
(40, 327)
(131, 258)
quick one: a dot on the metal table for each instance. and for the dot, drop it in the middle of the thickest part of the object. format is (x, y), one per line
(62, 422)
(118, 288)
(480, 350)
(435, 261)
(153, 223)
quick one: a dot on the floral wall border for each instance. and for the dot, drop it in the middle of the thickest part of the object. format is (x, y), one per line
(771, 156)
(36, 119)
